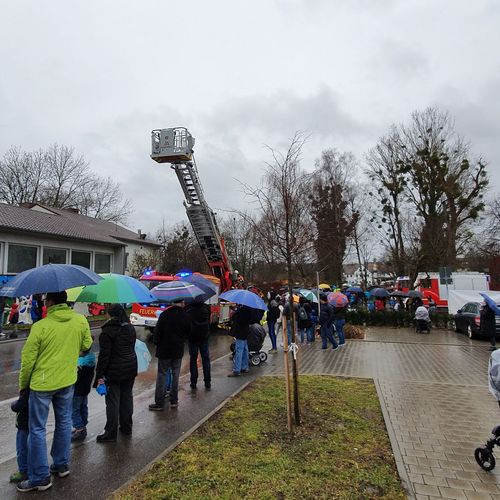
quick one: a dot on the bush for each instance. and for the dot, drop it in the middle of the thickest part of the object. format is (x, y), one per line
(397, 319)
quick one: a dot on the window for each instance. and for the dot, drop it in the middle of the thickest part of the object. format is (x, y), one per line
(80, 258)
(21, 257)
(102, 263)
(54, 256)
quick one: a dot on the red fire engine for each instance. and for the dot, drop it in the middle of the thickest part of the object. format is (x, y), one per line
(431, 286)
(175, 146)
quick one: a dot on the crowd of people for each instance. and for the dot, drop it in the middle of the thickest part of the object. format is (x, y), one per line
(308, 317)
(59, 369)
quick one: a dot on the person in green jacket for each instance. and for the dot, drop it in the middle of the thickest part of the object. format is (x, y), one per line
(49, 369)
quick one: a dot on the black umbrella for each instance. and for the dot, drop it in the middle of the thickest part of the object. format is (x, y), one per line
(398, 293)
(379, 292)
(415, 293)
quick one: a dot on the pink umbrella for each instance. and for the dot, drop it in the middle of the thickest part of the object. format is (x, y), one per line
(337, 299)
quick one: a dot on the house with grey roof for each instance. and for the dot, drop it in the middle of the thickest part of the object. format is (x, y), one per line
(34, 234)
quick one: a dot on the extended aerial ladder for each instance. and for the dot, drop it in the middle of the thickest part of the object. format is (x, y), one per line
(175, 146)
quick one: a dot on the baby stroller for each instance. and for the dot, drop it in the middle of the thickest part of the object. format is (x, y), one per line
(484, 454)
(422, 320)
(255, 341)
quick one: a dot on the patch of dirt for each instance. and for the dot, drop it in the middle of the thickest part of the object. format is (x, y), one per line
(354, 332)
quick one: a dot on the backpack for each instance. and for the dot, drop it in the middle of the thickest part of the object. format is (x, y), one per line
(302, 314)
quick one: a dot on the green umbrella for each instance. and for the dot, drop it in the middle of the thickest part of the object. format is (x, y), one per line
(73, 293)
(116, 288)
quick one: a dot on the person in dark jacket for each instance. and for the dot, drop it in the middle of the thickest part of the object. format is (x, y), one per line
(199, 317)
(117, 367)
(325, 323)
(171, 332)
(304, 320)
(339, 314)
(240, 329)
(80, 415)
(287, 315)
(273, 313)
(487, 324)
(21, 407)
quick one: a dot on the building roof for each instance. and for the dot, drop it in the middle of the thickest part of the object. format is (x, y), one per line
(65, 224)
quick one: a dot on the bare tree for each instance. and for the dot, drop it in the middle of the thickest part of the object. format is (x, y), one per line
(241, 243)
(22, 176)
(284, 222)
(62, 179)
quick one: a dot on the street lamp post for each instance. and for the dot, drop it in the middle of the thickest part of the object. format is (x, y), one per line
(317, 287)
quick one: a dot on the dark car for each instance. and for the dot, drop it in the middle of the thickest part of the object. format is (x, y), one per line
(467, 320)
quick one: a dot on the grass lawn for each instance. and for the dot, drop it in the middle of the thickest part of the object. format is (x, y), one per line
(341, 451)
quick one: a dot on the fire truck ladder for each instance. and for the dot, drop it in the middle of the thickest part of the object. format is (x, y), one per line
(202, 218)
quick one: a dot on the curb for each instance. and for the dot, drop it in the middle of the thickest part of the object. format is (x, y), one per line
(398, 457)
(179, 440)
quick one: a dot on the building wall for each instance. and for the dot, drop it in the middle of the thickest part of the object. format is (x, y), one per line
(40, 243)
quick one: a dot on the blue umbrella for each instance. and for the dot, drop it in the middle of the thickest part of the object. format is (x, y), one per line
(49, 278)
(379, 292)
(143, 356)
(202, 283)
(355, 289)
(172, 291)
(491, 303)
(244, 298)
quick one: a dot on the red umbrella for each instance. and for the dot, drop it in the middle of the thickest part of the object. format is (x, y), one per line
(337, 299)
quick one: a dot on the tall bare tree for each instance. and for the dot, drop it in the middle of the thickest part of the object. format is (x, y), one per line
(242, 244)
(60, 178)
(284, 222)
(389, 182)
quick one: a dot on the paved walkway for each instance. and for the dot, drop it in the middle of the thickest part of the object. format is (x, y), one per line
(434, 388)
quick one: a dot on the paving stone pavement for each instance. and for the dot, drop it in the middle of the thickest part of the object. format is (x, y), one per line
(433, 389)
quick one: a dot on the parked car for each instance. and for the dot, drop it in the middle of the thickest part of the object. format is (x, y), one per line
(467, 320)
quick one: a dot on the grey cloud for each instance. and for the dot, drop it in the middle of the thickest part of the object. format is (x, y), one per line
(284, 112)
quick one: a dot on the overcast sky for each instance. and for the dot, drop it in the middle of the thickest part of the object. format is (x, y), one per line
(100, 75)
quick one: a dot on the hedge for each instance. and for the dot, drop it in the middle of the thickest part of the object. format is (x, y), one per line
(394, 318)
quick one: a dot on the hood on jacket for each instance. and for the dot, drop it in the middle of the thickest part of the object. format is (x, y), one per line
(60, 312)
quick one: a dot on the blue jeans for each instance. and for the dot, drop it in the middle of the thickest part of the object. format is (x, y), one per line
(168, 380)
(39, 403)
(240, 358)
(310, 334)
(202, 348)
(339, 327)
(271, 326)
(80, 414)
(22, 450)
(327, 334)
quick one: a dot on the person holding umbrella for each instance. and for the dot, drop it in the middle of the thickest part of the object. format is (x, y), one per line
(240, 329)
(117, 368)
(169, 336)
(199, 316)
